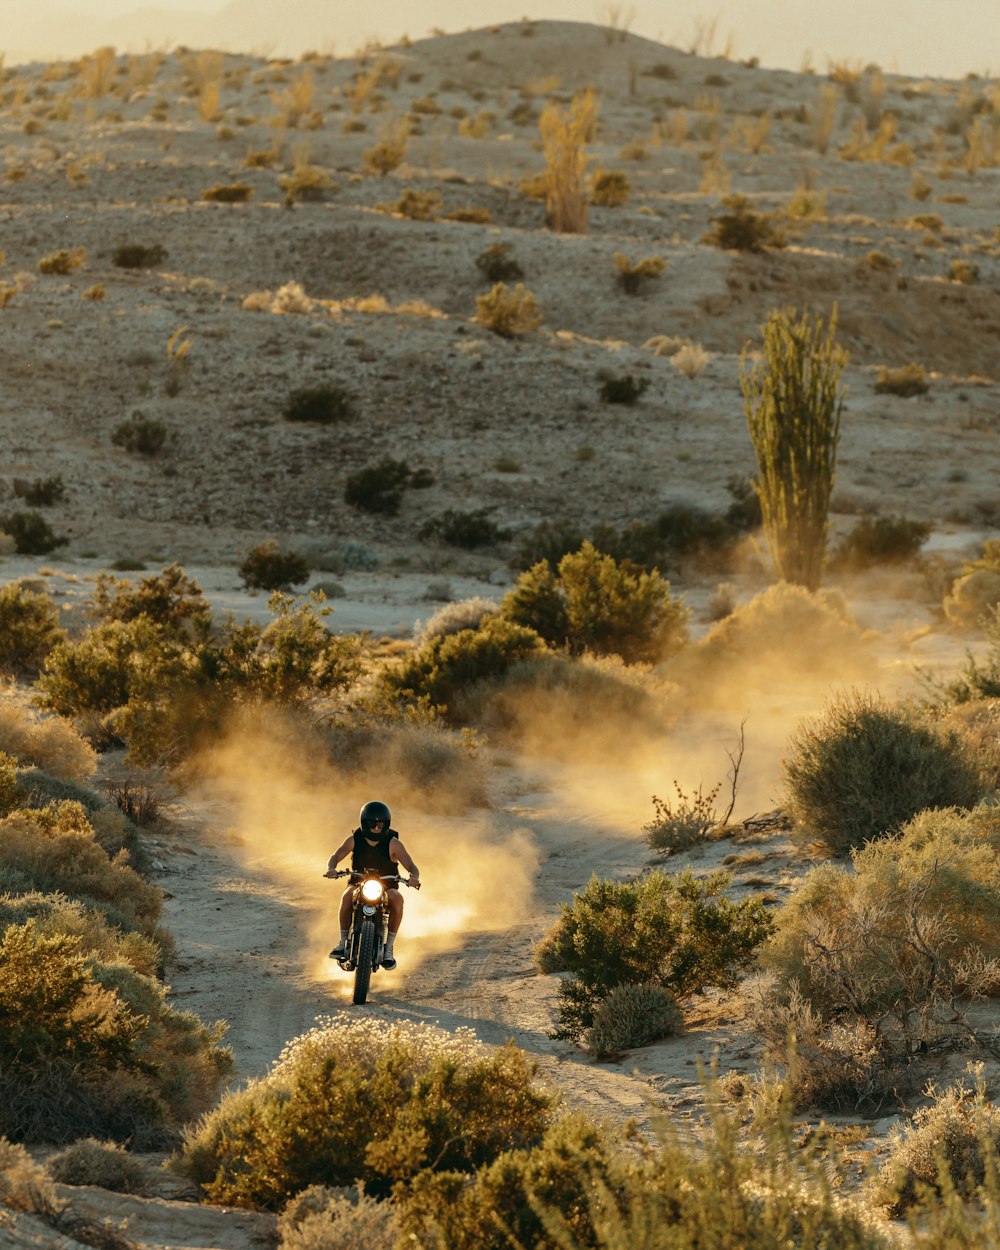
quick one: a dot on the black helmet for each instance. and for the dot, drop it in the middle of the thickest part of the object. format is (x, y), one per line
(374, 811)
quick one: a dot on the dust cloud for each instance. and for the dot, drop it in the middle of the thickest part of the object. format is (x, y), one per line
(290, 808)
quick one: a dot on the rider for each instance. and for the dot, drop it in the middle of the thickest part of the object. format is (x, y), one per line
(374, 845)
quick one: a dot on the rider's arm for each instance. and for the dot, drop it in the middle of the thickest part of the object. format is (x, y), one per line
(399, 854)
(345, 847)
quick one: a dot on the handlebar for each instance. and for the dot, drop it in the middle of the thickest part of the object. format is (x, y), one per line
(358, 876)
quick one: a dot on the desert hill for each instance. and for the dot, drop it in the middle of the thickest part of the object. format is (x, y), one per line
(191, 238)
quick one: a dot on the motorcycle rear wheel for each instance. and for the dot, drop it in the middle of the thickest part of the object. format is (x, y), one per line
(366, 954)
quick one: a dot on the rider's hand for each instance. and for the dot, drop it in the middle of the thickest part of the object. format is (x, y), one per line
(329, 873)
(414, 881)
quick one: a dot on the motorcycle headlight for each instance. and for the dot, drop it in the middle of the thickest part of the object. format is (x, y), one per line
(371, 891)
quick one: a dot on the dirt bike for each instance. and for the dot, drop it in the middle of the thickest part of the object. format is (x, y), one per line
(369, 925)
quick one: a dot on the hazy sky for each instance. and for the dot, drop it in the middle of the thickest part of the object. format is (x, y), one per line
(934, 37)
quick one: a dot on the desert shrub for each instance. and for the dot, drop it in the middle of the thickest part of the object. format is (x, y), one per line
(29, 629)
(379, 487)
(48, 742)
(880, 540)
(865, 767)
(793, 401)
(622, 389)
(972, 600)
(467, 530)
(32, 534)
(963, 271)
(592, 603)
(957, 1136)
(679, 932)
(497, 264)
(610, 188)
(741, 229)
(417, 205)
(904, 940)
(509, 313)
(474, 214)
(428, 1099)
(169, 599)
(462, 614)
(564, 134)
(43, 492)
(443, 666)
(140, 797)
(94, 935)
(633, 276)
(228, 193)
(138, 255)
(683, 822)
(349, 1219)
(103, 1163)
(64, 261)
(98, 1044)
(145, 436)
(631, 1016)
(266, 567)
(549, 540)
(906, 381)
(54, 849)
(321, 405)
(389, 151)
(687, 530)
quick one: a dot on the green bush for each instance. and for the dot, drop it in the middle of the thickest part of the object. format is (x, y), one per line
(592, 603)
(442, 669)
(43, 492)
(865, 767)
(138, 255)
(102, 1163)
(169, 599)
(497, 264)
(630, 1016)
(266, 567)
(548, 541)
(32, 534)
(678, 932)
(740, 229)
(320, 405)
(793, 401)
(379, 487)
(880, 540)
(359, 1099)
(146, 436)
(89, 1048)
(467, 530)
(623, 389)
(29, 629)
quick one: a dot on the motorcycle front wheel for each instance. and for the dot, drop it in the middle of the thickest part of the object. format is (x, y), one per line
(366, 954)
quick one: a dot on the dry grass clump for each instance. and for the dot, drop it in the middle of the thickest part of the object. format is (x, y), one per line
(634, 275)
(320, 1217)
(906, 381)
(63, 261)
(463, 614)
(610, 188)
(865, 767)
(632, 1016)
(509, 313)
(430, 1099)
(950, 1145)
(389, 151)
(228, 193)
(691, 359)
(48, 742)
(103, 1163)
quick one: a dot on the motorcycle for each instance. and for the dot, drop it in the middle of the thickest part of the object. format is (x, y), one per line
(369, 925)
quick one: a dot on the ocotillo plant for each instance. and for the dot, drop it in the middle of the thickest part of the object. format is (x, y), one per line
(564, 134)
(793, 400)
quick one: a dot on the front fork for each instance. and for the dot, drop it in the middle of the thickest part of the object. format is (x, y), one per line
(382, 928)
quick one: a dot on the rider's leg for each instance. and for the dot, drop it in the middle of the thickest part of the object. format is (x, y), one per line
(345, 924)
(395, 917)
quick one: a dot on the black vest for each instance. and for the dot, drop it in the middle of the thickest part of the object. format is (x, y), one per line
(374, 857)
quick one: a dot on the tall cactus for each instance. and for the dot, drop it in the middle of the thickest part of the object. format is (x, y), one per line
(793, 401)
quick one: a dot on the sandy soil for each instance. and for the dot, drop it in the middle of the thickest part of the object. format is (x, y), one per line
(273, 297)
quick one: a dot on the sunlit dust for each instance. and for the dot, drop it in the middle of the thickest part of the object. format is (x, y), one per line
(290, 809)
